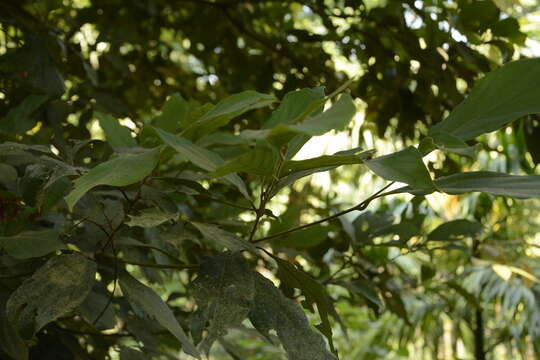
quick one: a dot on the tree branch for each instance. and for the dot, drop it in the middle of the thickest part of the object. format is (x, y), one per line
(358, 207)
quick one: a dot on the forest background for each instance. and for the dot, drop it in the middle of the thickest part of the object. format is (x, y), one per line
(260, 179)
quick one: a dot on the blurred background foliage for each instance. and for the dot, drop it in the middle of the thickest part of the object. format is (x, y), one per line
(402, 289)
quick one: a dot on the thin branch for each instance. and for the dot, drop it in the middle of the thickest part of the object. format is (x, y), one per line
(226, 202)
(358, 207)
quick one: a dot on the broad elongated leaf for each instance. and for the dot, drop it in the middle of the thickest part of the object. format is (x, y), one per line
(11, 343)
(227, 291)
(272, 310)
(220, 238)
(404, 166)
(314, 292)
(227, 109)
(501, 97)
(450, 143)
(116, 134)
(295, 105)
(149, 218)
(200, 157)
(92, 307)
(331, 161)
(455, 230)
(29, 244)
(296, 173)
(145, 302)
(18, 119)
(174, 114)
(258, 161)
(335, 118)
(54, 290)
(518, 186)
(492, 183)
(121, 171)
(224, 291)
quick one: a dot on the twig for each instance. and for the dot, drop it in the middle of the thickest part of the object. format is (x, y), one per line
(358, 207)
(226, 202)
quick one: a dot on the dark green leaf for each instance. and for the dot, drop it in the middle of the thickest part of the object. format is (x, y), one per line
(224, 291)
(501, 97)
(175, 114)
(455, 230)
(121, 171)
(145, 302)
(227, 109)
(295, 106)
(220, 238)
(272, 310)
(405, 166)
(116, 134)
(149, 218)
(314, 292)
(18, 119)
(29, 244)
(258, 161)
(54, 290)
(200, 157)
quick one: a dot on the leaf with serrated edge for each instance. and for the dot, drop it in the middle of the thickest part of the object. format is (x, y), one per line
(145, 302)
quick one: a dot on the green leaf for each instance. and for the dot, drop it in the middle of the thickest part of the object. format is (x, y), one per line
(18, 119)
(314, 292)
(121, 171)
(501, 97)
(367, 290)
(92, 307)
(227, 291)
(11, 343)
(492, 183)
(295, 106)
(336, 117)
(455, 230)
(227, 109)
(149, 218)
(30, 244)
(8, 176)
(54, 290)
(405, 166)
(116, 134)
(221, 238)
(331, 161)
(258, 161)
(175, 114)
(305, 238)
(200, 157)
(224, 291)
(450, 143)
(272, 310)
(297, 165)
(145, 302)
(518, 186)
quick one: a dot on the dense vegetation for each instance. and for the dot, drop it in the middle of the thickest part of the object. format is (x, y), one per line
(156, 197)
